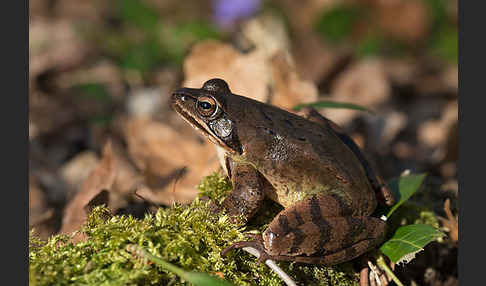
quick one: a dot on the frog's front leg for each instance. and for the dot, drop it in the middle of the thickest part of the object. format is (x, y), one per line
(309, 232)
(247, 194)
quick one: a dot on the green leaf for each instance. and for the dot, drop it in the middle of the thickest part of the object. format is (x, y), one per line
(136, 12)
(176, 39)
(95, 91)
(331, 104)
(403, 188)
(371, 45)
(197, 278)
(446, 43)
(408, 241)
(143, 56)
(337, 23)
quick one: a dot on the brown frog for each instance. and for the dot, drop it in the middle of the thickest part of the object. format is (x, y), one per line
(306, 164)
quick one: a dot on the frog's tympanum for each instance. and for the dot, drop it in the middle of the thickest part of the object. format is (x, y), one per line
(306, 164)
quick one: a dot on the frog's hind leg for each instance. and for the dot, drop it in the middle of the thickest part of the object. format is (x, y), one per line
(324, 240)
(329, 259)
(320, 229)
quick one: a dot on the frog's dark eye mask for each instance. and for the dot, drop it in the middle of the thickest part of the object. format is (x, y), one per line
(201, 109)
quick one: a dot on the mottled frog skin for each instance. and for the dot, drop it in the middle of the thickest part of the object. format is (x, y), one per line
(306, 164)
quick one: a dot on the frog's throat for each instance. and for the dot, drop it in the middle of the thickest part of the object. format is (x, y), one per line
(202, 128)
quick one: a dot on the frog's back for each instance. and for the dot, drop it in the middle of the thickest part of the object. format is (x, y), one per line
(299, 157)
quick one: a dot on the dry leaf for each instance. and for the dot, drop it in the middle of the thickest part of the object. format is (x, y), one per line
(76, 170)
(303, 14)
(433, 133)
(364, 83)
(80, 10)
(127, 180)
(289, 89)
(401, 71)
(39, 211)
(267, 34)
(101, 178)
(252, 75)
(161, 152)
(316, 60)
(54, 45)
(246, 74)
(407, 20)
(451, 222)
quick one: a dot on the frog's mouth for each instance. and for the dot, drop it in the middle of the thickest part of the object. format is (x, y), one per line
(188, 115)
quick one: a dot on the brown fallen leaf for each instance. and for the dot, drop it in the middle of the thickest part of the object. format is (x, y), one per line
(364, 83)
(127, 180)
(39, 211)
(450, 222)
(54, 45)
(102, 198)
(247, 74)
(406, 20)
(315, 59)
(289, 89)
(100, 179)
(267, 69)
(303, 14)
(76, 170)
(80, 10)
(266, 34)
(160, 153)
(441, 133)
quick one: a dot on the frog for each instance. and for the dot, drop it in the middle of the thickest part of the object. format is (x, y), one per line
(304, 162)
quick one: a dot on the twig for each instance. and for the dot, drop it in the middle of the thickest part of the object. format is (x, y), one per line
(380, 261)
(270, 263)
(374, 275)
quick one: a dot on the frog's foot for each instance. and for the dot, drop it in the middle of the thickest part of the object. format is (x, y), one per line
(256, 243)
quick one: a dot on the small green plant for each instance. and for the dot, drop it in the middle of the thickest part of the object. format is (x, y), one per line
(332, 104)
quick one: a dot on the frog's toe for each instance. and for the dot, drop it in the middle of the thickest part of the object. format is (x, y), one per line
(256, 244)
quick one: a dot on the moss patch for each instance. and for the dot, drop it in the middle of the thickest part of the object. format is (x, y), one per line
(190, 237)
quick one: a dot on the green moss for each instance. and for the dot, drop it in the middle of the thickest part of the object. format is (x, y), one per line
(215, 187)
(190, 237)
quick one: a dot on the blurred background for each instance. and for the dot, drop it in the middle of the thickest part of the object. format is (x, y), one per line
(101, 73)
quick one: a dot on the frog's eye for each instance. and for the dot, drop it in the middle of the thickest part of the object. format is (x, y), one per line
(206, 106)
